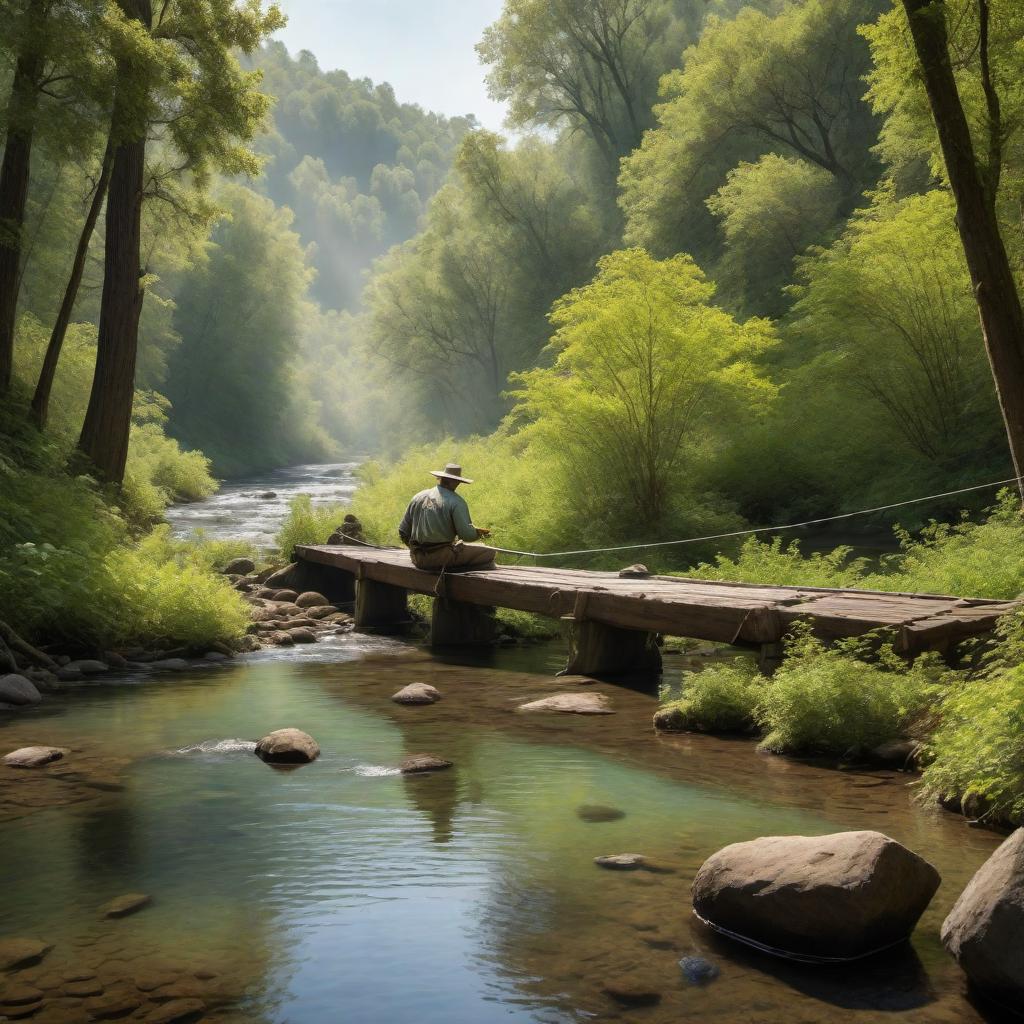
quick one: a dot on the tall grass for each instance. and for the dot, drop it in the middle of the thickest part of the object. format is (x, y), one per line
(307, 523)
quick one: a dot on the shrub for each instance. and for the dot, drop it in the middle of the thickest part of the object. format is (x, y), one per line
(828, 700)
(968, 559)
(977, 753)
(719, 698)
(144, 598)
(776, 563)
(307, 523)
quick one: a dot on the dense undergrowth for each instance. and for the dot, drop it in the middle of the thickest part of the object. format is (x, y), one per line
(847, 700)
(82, 565)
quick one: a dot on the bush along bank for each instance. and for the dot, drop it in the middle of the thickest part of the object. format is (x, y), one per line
(858, 702)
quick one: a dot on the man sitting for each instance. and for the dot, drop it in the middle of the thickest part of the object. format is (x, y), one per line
(437, 527)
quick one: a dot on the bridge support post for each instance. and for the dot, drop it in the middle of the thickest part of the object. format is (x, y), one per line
(380, 606)
(769, 658)
(599, 650)
(457, 624)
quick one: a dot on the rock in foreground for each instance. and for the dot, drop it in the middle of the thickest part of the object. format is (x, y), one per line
(834, 897)
(417, 763)
(417, 693)
(985, 929)
(288, 746)
(571, 704)
(33, 757)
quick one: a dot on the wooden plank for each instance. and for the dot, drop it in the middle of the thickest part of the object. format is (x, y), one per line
(711, 610)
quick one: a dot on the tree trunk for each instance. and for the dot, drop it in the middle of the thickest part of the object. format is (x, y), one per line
(14, 176)
(41, 398)
(999, 305)
(108, 419)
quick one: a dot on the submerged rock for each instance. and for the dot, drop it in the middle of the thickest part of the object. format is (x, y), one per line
(833, 897)
(169, 665)
(417, 693)
(631, 992)
(698, 971)
(88, 666)
(621, 861)
(423, 763)
(288, 746)
(985, 929)
(17, 690)
(33, 757)
(122, 906)
(571, 704)
(177, 1010)
(69, 675)
(598, 813)
(21, 952)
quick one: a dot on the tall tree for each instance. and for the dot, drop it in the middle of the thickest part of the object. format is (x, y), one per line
(590, 64)
(975, 185)
(177, 80)
(756, 84)
(28, 21)
(41, 396)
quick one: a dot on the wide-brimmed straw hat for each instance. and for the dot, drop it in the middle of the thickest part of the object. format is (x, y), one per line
(450, 472)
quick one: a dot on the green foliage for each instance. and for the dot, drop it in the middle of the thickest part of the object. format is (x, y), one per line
(356, 166)
(649, 380)
(231, 380)
(307, 523)
(828, 700)
(68, 569)
(975, 757)
(781, 564)
(762, 82)
(968, 559)
(770, 211)
(590, 67)
(889, 313)
(719, 698)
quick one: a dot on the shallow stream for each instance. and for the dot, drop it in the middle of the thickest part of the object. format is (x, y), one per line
(344, 892)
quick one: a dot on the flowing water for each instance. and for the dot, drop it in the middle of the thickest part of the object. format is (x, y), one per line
(253, 509)
(344, 891)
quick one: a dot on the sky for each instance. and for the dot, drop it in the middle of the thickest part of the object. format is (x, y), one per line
(424, 48)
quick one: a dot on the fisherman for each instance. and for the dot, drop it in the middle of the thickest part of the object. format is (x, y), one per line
(437, 528)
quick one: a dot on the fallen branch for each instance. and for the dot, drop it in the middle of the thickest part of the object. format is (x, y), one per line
(12, 642)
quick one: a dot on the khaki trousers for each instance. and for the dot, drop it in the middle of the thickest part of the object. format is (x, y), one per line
(453, 558)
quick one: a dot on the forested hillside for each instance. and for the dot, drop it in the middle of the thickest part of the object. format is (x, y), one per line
(711, 277)
(785, 176)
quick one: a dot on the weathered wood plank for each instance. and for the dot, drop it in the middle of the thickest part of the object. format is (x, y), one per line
(714, 610)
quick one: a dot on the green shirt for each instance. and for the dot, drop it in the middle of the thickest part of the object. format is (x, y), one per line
(437, 516)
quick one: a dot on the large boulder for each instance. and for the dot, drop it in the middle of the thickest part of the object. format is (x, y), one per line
(17, 690)
(33, 757)
(985, 929)
(819, 898)
(571, 704)
(311, 599)
(288, 746)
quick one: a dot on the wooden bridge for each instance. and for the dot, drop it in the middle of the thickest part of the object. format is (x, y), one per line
(614, 620)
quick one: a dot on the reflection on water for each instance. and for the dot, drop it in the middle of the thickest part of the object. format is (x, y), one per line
(253, 509)
(345, 892)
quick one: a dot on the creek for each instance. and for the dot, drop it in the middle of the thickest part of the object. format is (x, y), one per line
(344, 891)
